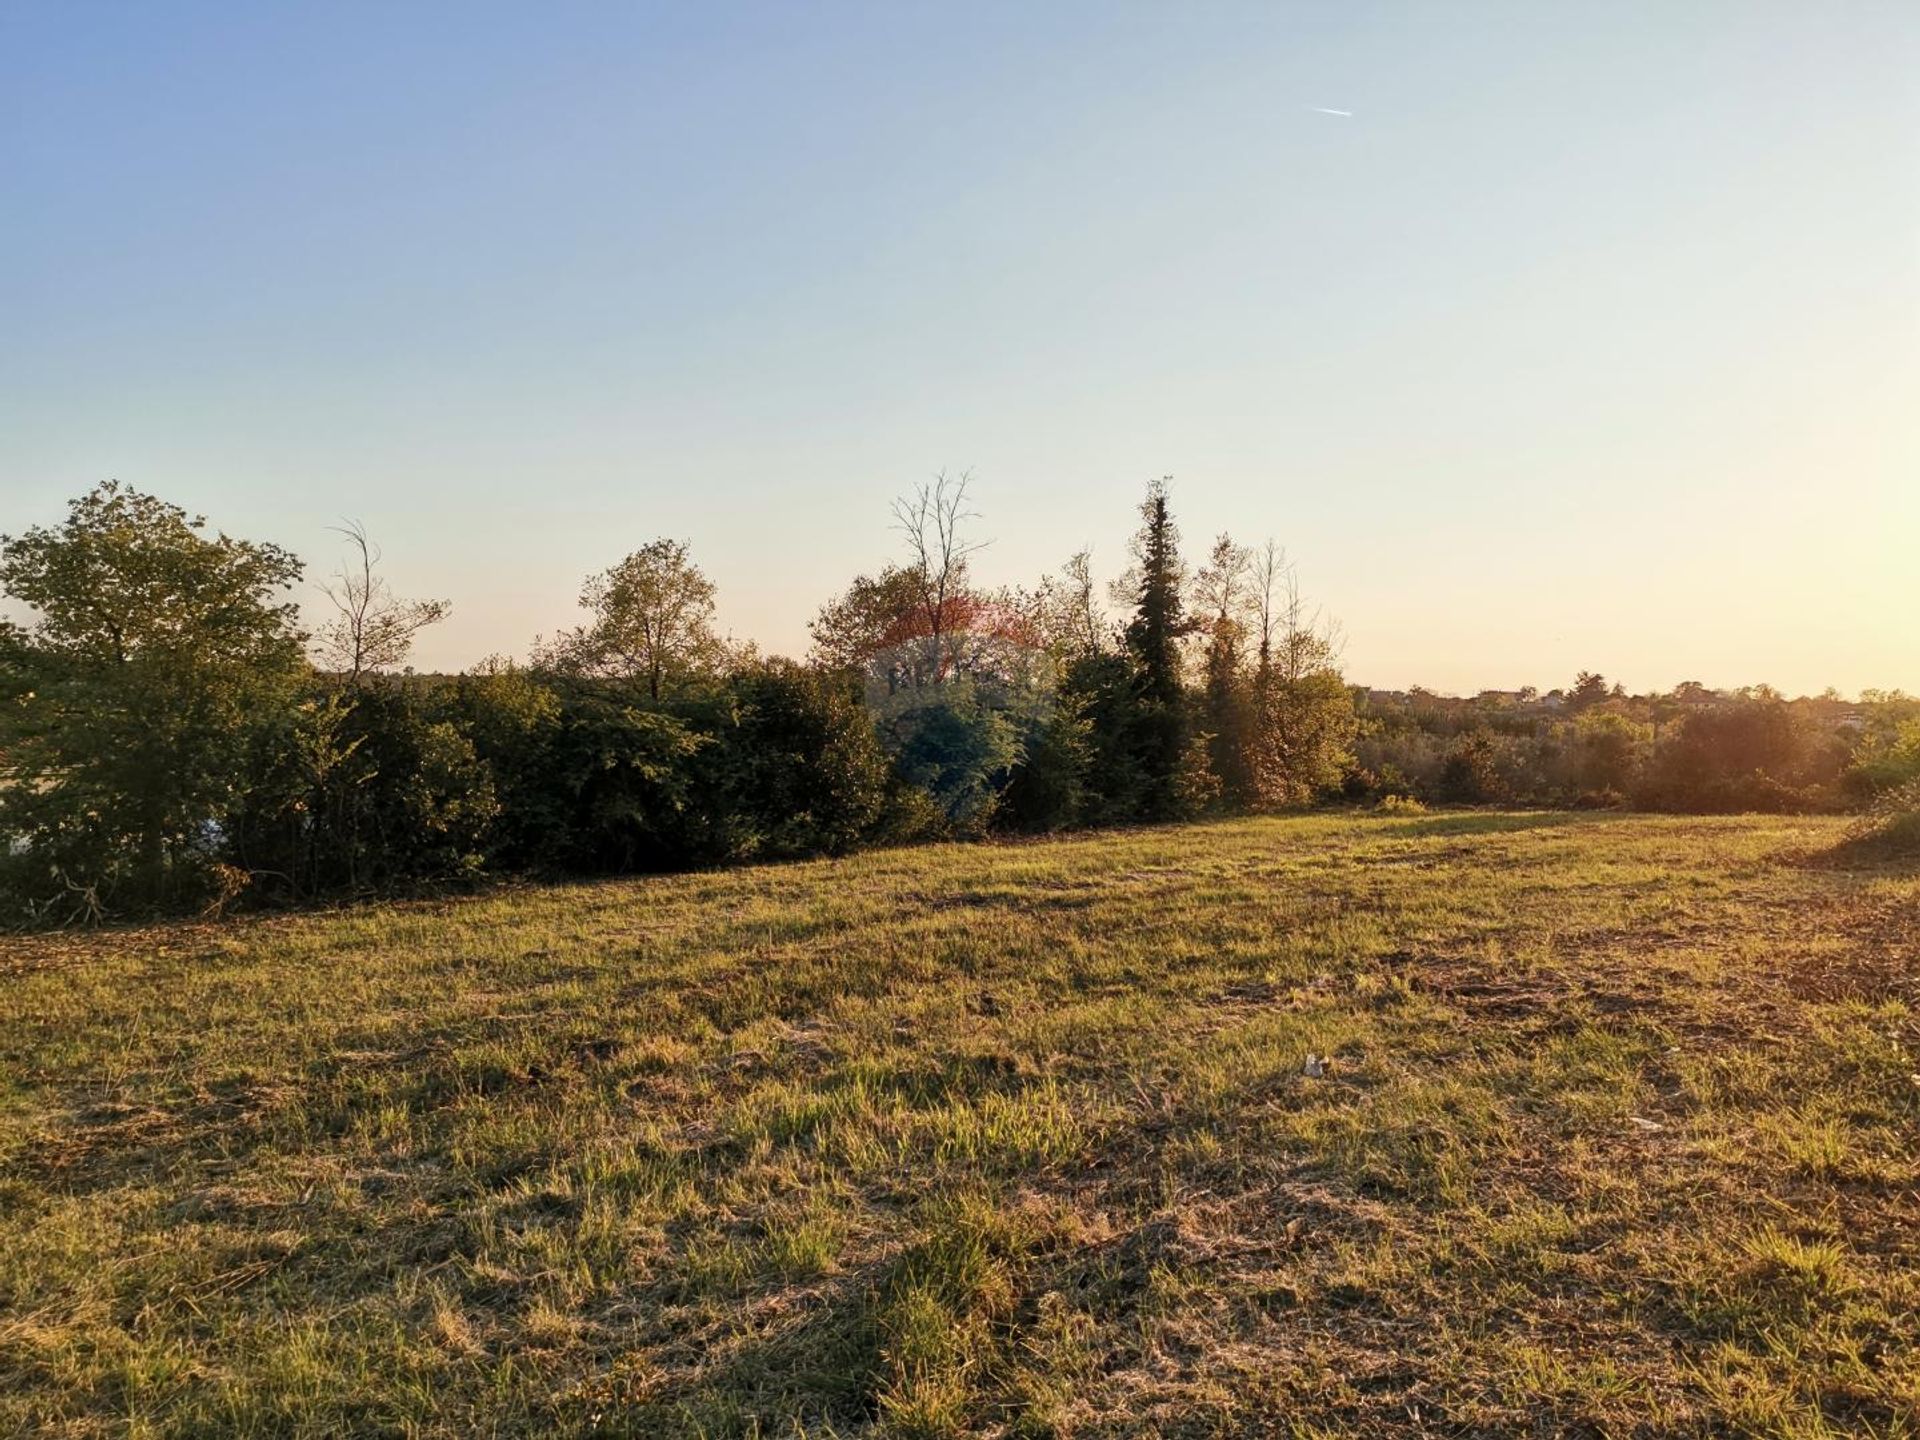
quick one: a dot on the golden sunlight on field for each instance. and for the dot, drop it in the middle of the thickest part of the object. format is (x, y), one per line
(1478, 1124)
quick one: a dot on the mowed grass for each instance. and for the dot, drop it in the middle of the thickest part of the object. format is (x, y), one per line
(1614, 1133)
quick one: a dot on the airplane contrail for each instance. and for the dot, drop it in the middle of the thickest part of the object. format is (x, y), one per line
(1323, 110)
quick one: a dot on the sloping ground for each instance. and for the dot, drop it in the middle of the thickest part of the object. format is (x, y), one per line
(1613, 1132)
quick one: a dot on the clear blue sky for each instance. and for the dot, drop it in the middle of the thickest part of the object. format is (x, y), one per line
(1590, 339)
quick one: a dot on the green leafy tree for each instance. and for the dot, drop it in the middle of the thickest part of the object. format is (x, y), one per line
(512, 716)
(618, 781)
(157, 654)
(853, 629)
(1589, 689)
(1303, 723)
(368, 792)
(652, 624)
(1067, 615)
(1224, 603)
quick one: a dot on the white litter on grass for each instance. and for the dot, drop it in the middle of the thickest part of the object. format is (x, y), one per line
(1646, 1124)
(1316, 1067)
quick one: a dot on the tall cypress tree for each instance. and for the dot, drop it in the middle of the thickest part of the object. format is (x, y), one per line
(1160, 723)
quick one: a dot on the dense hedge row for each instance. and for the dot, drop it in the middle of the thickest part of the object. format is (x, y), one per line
(168, 741)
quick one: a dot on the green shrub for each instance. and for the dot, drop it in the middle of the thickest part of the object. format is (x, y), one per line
(1469, 775)
(799, 770)
(1886, 762)
(947, 742)
(1049, 787)
(1756, 753)
(1894, 820)
(365, 791)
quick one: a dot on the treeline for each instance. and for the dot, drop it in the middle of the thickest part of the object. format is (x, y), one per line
(1595, 746)
(172, 738)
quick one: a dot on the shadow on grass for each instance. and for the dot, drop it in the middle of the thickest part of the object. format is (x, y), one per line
(1895, 855)
(817, 1367)
(1481, 822)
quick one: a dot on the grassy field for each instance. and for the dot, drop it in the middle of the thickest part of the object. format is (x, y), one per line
(1613, 1132)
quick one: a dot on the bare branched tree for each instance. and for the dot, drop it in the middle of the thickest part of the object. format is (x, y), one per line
(1066, 612)
(1271, 572)
(932, 519)
(372, 629)
(1306, 640)
(1088, 616)
(1294, 639)
(1224, 592)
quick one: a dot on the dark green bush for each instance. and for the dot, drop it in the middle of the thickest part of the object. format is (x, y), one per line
(1750, 754)
(1469, 775)
(1050, 786)
(799, 770)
